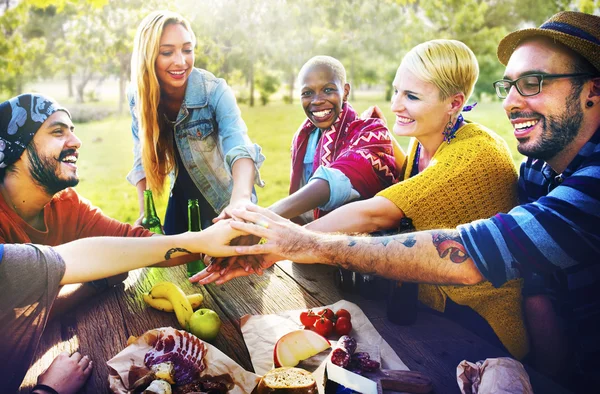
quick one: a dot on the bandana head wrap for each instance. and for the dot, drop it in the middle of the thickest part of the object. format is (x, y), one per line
(20, 118)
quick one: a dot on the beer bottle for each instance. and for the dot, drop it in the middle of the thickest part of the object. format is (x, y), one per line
(150, 221)
(193, 267)
(403, 298)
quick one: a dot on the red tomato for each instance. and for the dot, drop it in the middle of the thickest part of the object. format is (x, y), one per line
(343, 313)
(323, 326)
(308, 318)
(328, 313)
(343, 326)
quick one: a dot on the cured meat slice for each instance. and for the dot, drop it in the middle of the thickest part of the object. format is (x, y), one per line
(184, 350)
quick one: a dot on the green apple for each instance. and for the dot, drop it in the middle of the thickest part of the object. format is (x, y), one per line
(205, 324)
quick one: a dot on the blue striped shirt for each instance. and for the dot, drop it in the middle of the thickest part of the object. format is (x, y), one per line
(552, 240)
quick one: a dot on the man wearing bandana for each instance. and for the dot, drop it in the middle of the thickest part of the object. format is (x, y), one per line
(38, 207)
(38, 168)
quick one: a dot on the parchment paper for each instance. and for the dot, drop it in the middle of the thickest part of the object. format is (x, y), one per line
(502, 375)
(217, 363)
(261, 332)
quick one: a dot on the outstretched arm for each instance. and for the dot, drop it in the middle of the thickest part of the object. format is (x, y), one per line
(365, 216)
(243, 180)
(435, 256)
(315, 193)
(109, 256)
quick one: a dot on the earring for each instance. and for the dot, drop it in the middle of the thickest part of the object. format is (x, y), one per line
(448, 131)
(589, 104)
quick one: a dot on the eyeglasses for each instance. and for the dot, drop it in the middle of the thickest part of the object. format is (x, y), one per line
(529, 85)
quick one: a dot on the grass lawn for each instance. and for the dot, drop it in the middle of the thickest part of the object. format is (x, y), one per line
(106, 155)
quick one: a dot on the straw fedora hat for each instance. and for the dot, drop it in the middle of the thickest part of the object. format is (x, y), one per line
(576, 30)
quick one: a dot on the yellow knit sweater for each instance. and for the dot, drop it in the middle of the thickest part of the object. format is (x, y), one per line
(471, 178)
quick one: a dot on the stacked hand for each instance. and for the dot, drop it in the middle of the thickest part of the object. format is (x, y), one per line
(250, 264)
(229, 268)
(216, 240)
(285, 240)
(226, 213)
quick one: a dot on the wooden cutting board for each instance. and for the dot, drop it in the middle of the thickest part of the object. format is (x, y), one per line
(375, 382)
(385, 379)
(403, 381)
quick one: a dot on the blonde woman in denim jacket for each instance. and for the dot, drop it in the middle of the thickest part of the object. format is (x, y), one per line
(186, 123)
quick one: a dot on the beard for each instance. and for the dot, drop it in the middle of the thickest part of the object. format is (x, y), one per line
(45, 171)
(557, 131)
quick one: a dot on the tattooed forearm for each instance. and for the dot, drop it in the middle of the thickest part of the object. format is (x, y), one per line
(449, 242)
(175, 250)
(408, 240)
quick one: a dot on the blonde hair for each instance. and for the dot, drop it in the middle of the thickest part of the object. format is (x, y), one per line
(157, 150)
(448, 64)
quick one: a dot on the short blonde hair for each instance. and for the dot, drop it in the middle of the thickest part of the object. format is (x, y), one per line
(158, 154)
(448, 64)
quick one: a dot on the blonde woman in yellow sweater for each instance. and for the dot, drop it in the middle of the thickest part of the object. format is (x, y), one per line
(455, 172)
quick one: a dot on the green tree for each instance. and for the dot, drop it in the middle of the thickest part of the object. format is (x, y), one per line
(237, 34)
(268, 84)
(20, 58)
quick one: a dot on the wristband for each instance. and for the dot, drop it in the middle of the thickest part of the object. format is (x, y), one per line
(44, 388)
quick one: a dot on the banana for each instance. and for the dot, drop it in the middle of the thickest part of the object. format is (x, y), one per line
(173, 293)
(162, 304)
(195, 300)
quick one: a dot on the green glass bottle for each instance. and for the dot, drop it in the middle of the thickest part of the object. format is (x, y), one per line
(193, 267)
(150, 220)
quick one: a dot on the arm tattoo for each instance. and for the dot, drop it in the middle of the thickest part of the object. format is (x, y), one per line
(450, 242)
(175, 250)
(410, 241)
(407, 240)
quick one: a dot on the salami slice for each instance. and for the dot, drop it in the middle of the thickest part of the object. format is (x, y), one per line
(340, 357)
(343, 351)
(184, 350)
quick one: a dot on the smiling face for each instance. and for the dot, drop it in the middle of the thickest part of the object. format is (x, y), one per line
(417, 105)
(544, 124)
(322, 95)
(175, 59)
(52, 154)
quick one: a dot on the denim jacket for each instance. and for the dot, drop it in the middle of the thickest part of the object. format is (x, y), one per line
(210, 136)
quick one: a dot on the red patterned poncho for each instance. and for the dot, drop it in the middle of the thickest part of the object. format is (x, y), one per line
(359, 148)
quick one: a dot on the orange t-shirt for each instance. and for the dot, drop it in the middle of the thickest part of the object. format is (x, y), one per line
(67, 217)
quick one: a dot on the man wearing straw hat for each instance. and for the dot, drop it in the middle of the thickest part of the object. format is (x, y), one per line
(551, 92)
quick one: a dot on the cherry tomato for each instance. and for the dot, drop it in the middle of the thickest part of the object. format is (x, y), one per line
(328, 313)
(323, 326)
(343, 313)
(308, 318)
(343, 326)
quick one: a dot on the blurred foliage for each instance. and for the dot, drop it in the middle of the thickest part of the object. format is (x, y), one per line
(267, 85)
(246, 40)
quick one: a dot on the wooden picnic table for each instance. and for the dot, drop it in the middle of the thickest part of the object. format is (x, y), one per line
(100, 328)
